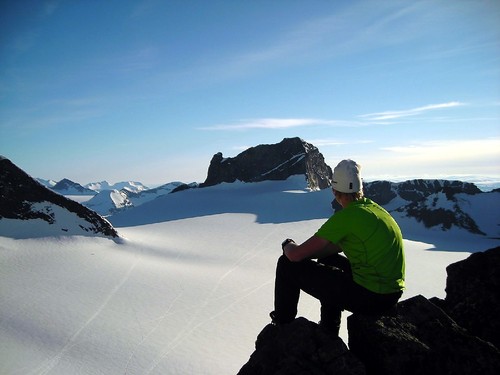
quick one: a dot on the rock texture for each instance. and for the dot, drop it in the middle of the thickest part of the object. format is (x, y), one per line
(441, 204)
(300, 347)
(419, 337)
(292, 156)
(24, 198)
(473, 294)
(383, 192)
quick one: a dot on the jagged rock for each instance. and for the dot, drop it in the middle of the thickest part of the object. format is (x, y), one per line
(432, 212)
(383, 192)
(431, 202)
(300, 347)
(292, 156)
(419, 339)
(24, 198)
(472, 294)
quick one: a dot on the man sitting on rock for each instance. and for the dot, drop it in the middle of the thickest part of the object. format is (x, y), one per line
(369, 279)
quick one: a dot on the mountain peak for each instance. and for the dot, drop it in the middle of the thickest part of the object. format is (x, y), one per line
(68, 187)
(27, 204)
(291, 156)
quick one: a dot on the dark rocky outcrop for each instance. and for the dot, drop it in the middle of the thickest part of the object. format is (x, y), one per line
(292, 156)
(419, 337)
(473, 294)
(19, 193)
(300, 347)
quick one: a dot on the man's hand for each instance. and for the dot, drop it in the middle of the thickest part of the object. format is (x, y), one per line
(286, 242)
(310, 249)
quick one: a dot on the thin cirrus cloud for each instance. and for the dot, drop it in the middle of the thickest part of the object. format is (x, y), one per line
(366, 120)
(271, 123)
(393, 115)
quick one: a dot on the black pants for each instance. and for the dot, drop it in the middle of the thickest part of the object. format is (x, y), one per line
(330, 281)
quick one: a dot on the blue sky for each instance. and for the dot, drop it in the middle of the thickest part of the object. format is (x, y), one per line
(151, 90)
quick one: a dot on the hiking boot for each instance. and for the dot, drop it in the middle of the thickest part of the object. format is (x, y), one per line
(332, 329)
(275, 321)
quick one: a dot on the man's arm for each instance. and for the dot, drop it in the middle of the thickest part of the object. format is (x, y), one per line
(314, 247)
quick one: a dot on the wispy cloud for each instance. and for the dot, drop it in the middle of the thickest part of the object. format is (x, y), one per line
(377, 118)
(271, 123)
(392, 115)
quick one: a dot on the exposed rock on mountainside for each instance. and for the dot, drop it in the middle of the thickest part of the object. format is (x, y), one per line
(292, 156)
(383, 192)
(26, 200)
(417, 338)
(442, 210)
(435, 203)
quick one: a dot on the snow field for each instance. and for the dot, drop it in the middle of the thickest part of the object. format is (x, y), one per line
(184, 296)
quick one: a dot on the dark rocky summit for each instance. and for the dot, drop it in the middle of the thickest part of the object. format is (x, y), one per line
(292, 156)
(20, 193)
(454, 336)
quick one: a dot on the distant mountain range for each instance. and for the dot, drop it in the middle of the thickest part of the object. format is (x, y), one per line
(438, 204)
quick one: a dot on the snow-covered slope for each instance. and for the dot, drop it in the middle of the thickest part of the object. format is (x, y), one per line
(29, 209)
(68, 187)
(110, 201)
(47, 183)
(132, 186)
(186, 293)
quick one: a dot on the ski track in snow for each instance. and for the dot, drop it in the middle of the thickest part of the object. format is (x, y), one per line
(145, 338)
(32, 301)
(191, 326)
(49, 364)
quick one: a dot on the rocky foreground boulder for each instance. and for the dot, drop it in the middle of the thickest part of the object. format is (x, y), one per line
(300, 347)
(292, 156)
(473, 294)
(418, 337)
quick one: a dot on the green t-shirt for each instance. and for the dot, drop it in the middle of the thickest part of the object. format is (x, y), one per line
(372, 241)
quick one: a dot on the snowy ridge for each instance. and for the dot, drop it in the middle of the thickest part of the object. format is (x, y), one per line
(31, 210)
(132, 186)
(108, 202)
(68, 187)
